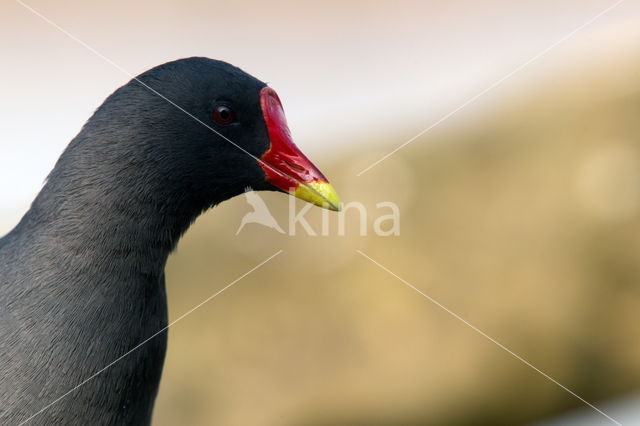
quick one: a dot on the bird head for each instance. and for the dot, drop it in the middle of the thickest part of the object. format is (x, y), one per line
(218, 130)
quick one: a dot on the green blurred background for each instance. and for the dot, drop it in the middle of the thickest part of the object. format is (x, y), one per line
(520, 213)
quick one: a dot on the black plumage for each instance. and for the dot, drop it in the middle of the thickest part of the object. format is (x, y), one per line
(81, 275)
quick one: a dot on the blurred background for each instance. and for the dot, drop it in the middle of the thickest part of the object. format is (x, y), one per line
(520, 213)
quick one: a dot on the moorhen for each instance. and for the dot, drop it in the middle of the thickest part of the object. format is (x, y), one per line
(82, 274)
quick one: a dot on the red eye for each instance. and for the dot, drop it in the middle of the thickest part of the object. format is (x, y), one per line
(223, 115)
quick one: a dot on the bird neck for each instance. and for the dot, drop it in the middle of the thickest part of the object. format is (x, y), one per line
(105, 245)
(118, 231)
(108, 210)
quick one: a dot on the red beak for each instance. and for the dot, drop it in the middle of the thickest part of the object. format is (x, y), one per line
(285, 166)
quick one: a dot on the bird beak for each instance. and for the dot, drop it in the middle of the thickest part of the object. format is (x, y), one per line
(285, 166)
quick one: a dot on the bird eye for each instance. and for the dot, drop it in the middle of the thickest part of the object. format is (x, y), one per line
(223, 115)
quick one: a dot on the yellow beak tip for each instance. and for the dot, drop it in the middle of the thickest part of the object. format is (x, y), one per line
(320, 194)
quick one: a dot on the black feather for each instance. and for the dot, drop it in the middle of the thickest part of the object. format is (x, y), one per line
(81, 275)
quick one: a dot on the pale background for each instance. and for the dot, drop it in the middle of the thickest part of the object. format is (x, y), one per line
(521, 213)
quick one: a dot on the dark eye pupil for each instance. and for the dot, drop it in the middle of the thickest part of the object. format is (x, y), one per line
(223, 115)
